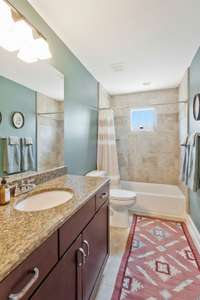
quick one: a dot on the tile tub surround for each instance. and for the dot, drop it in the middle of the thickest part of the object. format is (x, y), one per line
(183, 122)
(22, 232)
(51, 130)
(148, 156)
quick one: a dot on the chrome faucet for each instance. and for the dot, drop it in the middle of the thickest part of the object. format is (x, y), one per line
(26, 185)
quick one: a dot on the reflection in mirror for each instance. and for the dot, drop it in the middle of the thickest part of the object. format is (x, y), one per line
(50, 132)
(37, 92)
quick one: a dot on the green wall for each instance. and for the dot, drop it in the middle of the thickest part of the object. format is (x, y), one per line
(194, 88)
(15, 97)
(81, 97)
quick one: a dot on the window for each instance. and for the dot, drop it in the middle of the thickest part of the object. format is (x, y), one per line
(143, 119)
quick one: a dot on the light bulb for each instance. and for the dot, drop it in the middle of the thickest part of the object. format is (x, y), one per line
(6, 28)
(17, 37)
(6, 20)
(27, 53)
(42, 49)
(23, 31)
(8, 41)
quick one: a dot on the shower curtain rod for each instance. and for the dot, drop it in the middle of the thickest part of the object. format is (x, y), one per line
(156, 104)
(105, 108)
(51, 113)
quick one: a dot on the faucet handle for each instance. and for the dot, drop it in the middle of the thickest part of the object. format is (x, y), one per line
(30, 180)
(14, 189)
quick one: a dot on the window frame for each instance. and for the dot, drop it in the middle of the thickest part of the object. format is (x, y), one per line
(143, 109)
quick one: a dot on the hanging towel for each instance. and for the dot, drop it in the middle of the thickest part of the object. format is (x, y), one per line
(27, 154)
(194, 162)
(184, 169)
(11, 155)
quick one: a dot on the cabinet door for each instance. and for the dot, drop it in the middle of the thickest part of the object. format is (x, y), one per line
(95, 241)
(24, 280)
(64, 282)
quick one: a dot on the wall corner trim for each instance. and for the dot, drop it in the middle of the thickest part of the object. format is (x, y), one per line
(195, 234)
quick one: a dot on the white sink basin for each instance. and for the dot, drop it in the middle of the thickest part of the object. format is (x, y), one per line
(44, 199)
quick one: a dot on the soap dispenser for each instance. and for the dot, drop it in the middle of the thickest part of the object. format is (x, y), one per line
(4, 192)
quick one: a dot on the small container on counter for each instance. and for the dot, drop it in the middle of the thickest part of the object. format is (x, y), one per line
(4, 192)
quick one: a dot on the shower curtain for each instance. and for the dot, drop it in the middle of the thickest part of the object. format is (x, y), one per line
(107, 159)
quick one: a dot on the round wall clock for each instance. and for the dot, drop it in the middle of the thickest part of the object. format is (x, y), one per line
(196, 107)
(18, 119)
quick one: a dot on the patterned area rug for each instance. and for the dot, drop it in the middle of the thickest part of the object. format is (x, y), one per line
(160, 263)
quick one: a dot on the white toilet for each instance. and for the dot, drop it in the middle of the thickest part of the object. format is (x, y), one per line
(120, 203)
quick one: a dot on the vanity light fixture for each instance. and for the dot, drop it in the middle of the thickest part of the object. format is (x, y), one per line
(5, 16)
(16, 34)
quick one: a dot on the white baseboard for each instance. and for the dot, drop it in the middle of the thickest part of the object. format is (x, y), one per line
(195, 234)
(151, 213)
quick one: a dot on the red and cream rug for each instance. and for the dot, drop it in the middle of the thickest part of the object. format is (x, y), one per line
(160, 263)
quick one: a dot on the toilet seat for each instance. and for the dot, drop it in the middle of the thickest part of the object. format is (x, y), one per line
(121, 195)
(97, 173)
(121, 201)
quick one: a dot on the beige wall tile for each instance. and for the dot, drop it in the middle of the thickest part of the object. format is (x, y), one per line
(148, 156)
(50, 133)
(183, 122)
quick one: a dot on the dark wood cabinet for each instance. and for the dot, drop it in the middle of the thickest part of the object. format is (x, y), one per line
(96, 246)
(73, 227)
(64, 282)
(70, 262)
(44, 258)
(102, 196)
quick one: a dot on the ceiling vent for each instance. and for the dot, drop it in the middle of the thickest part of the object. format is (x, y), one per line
(118, 67)
(146, 83)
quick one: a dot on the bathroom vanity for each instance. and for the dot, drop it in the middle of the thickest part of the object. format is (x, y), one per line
(63, 250)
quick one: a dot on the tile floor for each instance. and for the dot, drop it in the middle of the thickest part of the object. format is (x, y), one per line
(118, 238)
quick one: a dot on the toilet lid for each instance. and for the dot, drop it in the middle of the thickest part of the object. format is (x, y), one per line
(123, 194)
(97, 173)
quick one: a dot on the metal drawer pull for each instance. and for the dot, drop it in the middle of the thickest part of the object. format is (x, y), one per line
(87, 246)
(83, 255)
(104, 195)
(27, 287)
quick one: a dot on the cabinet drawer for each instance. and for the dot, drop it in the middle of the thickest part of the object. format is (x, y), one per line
(102, 196)
(72, 228)
(43, 258)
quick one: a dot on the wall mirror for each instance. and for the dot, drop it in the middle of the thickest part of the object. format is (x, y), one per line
(36, 92)
(196, 107)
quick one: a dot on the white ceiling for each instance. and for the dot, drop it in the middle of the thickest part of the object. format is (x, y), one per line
(39, 76)
(151, 40)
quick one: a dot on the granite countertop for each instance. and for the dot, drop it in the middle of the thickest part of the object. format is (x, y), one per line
(22, 232)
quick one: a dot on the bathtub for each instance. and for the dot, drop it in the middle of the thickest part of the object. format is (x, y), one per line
(157, 199)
